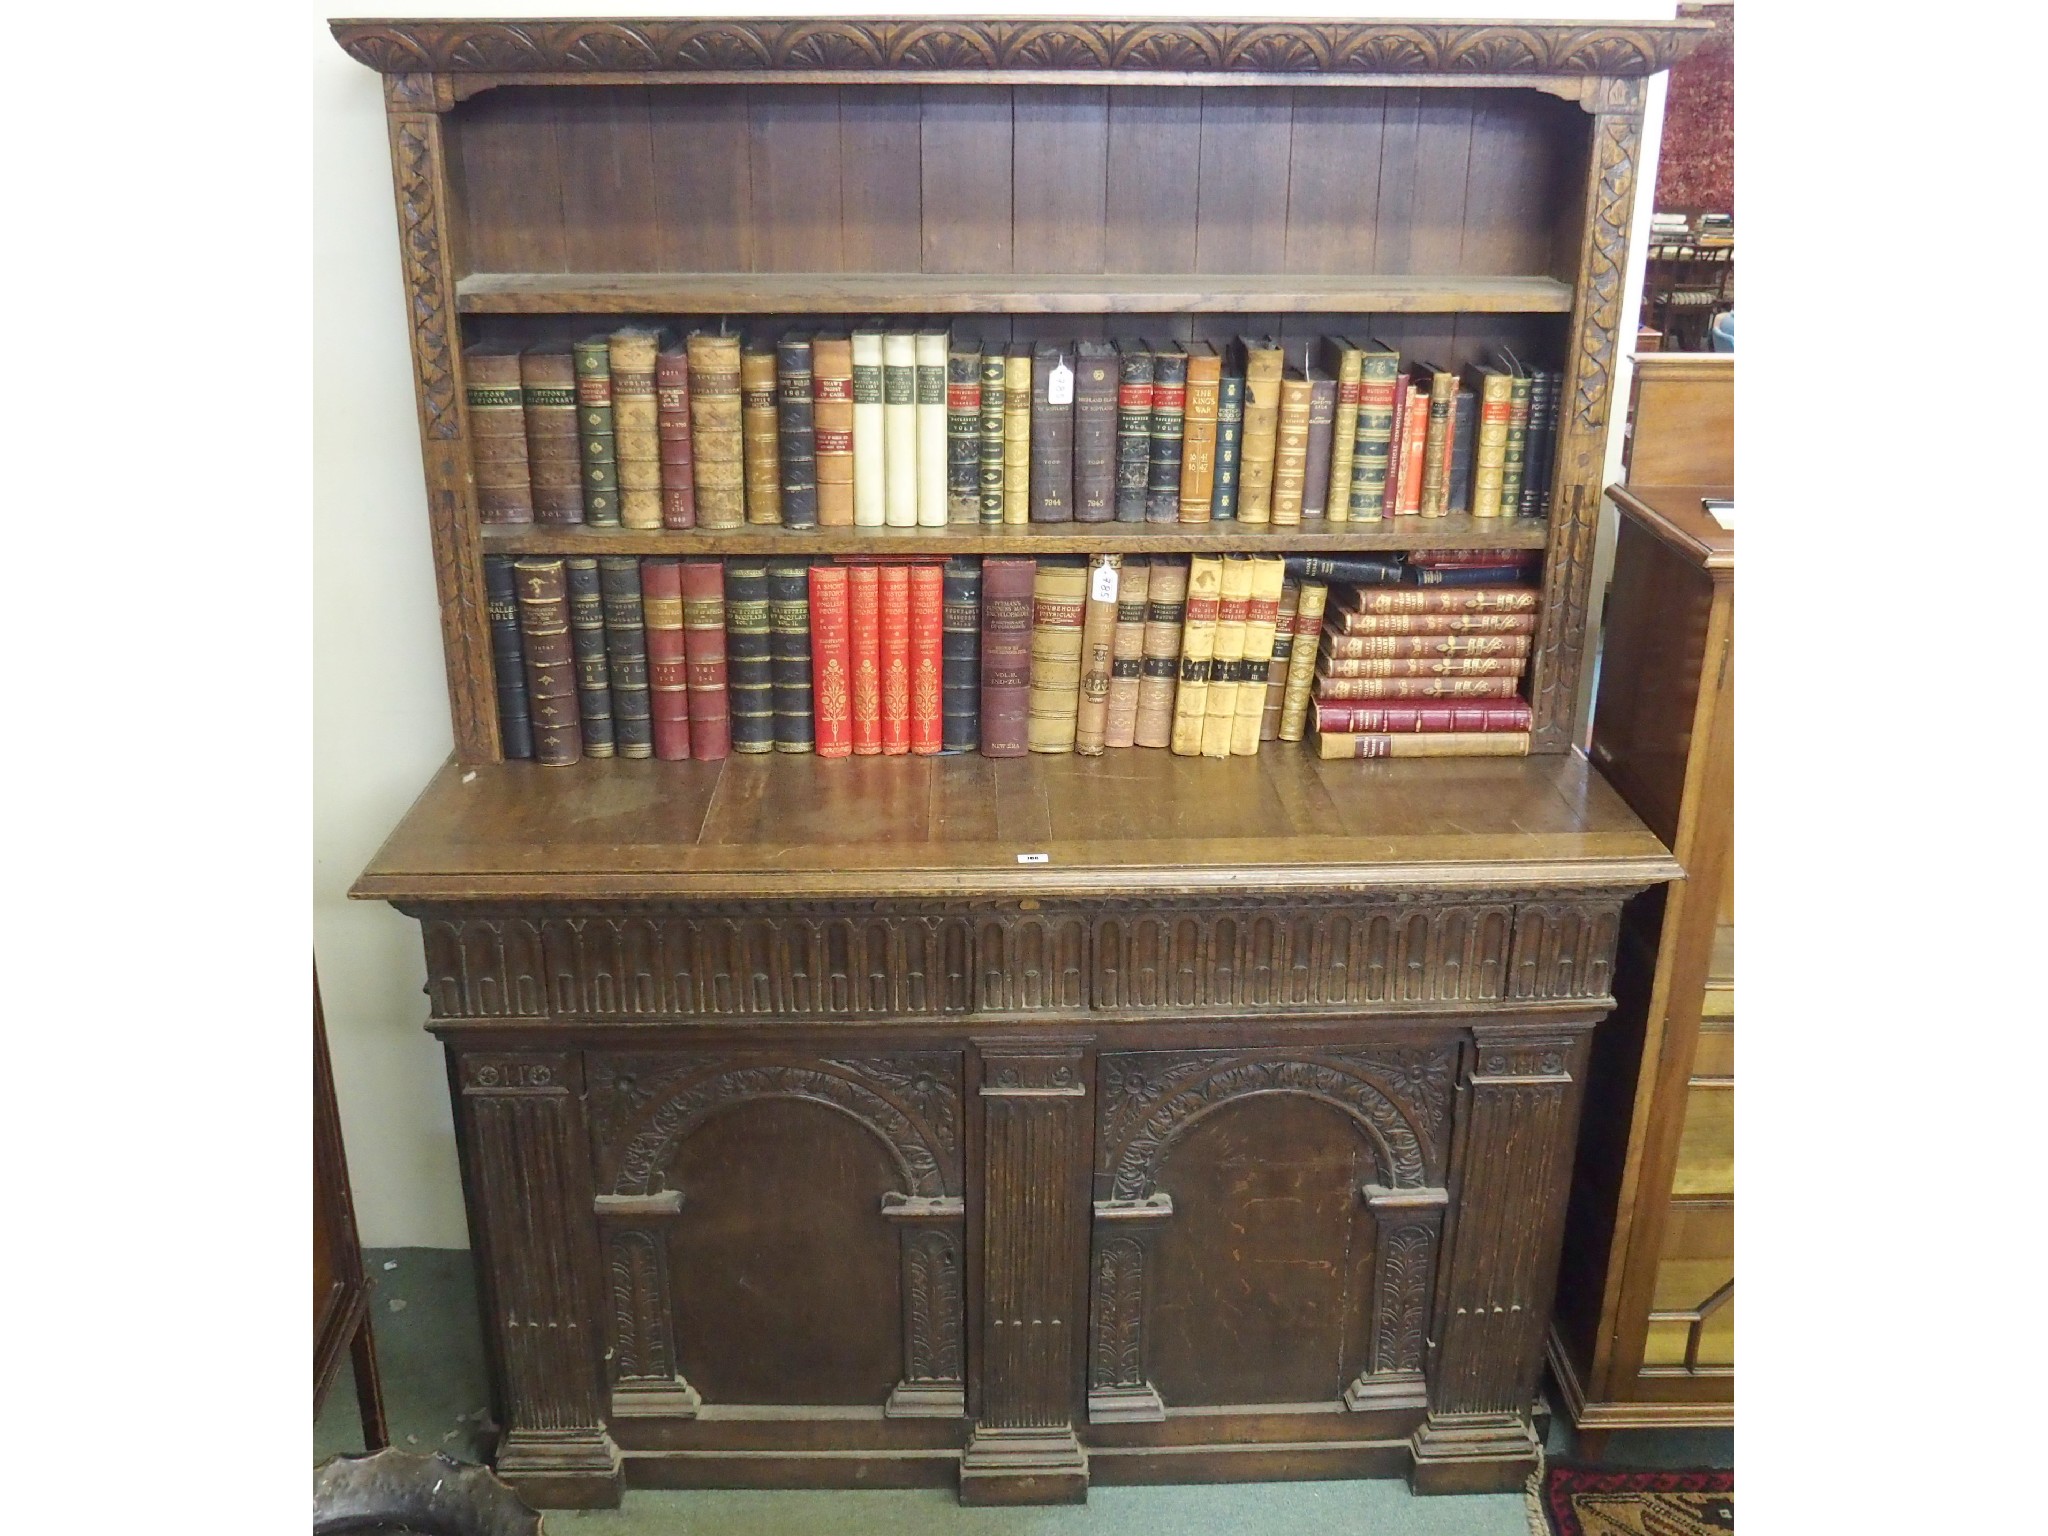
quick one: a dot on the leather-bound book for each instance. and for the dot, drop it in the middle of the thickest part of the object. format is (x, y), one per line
(1423, 715)
(1343, 360)
(758, 437)
(831, 661)
(550, 656)
(870, 451)
(625, 646)
(927, 645)
(704, 646)
(899, 430)
(1336, 745)
(1397, 449)
(715, 432)
(1006, 596)
(960, 655)
(636, 425)
(1058, 597)
(789, 648)
(1255, 664)
(596, 441)
(1197, 650)
(963, 433)
(1373, 429)
(1264, 367)
(672, 426)
(1301, 665)
(864, 607)
(1290, 454)
(1198, 433)
(1169, 418)
(796, 438)
(1461, 449)
(497, 434)
(1133, 429)
(593, 669)
(1283, 653)
(1126, 652)
(1457, 665)
(1349, 622)
(894, 610)
(929, 349)
(1166, 599)
(1229, 443)
(1491, 599)
(1356, 570)
(1425, 653)
(1316, 491)
(832, 426)
(1233, 605)
(1052, 432)
(1514, 461)
(554, 454)
(1416, 687)
(1098, 642)
(1095, 442)
(668, 667)
(989, 430)
(749, 656)
(508, 660)
(1545, 385)
(1414, 451)
(1441, 387)
(1017, 434)
(1495, 391)
(1463, 575)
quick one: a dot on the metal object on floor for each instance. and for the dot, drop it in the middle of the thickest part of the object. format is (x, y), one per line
(403, 1493)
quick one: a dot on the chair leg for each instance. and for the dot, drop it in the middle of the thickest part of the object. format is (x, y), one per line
(362, 1354)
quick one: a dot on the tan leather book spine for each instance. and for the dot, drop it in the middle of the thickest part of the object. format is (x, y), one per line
(1332, 745)
(870, 454)
(1017, 435)
(1197, 651)
(1436, 452)
(1263, 368)
(715, 439)
(1219, 709)
(1166, 600)
(1276, 668)
(1058, 597)
(1098, 642)
(636, 425)
(1416, 687)
(1490, 451)
(1290, 455)
(832, 424)
(1301, 665)
(1127, 652)
(1343, 360)
(497, 434)
(1261, 620)
(758, 432)
(1198, 433)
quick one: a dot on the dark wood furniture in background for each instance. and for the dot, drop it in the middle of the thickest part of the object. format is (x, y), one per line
(810, 1134)
(341, 1290)
(1685, 284)
(1645, 1328)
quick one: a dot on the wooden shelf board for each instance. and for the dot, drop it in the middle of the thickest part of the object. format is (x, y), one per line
(920, 293)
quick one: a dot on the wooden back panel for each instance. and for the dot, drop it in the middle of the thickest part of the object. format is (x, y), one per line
(1682, 419)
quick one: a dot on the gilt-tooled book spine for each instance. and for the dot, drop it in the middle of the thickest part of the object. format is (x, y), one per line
(1169, 418)
(1159, 672)
(796, 438)
(789, 649)
(870, 453)
(762, 453)
(899, 429)
(1263, 369)
(508, 659)
(1197, 651)
(929, 350)
(864, 608)
(636, 425)
(1261, 621)
(704, 646)
(1098, 643)
(1301, 664)
(668, 665)
(1335, 745)
(927, 651)
(1397, 450)
(1058, 597)
(1515, 447)
(554, 453)
(1513, 715)
(1349, 622)
(989, 479)
(1276, 666)
(593, 670)
(550, 656)
(1498, 599)
(831, 661)
(1375, 570)
(960, 659)
(1219, 708)
(1127, 652)
(1052, 433)
(1290, 453)
(1344, 361)
(1006, 598)
(1229, 443)
(595, 437)
(1095, 441)
(672, 423)
(963, 434)
(1316, 494)
(1463, 575)
(497, 434)
(1462, 450)
(1373, 430)
(1198, 433)
(1133, 429)
(1436, 450)
(1425, 656)
(894, 610)
(1416, 687)
(749, 656)
(832, 426)
(715, 432)
(1544, 387)
(1414, 452)
(1017, 435)
(625, 644)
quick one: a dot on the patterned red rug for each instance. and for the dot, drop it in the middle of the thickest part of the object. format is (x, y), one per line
(1602, 1501)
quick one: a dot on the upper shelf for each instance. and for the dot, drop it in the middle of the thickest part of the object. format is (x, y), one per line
(922, 293)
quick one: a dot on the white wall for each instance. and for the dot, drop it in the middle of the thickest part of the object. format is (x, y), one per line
(380, 706)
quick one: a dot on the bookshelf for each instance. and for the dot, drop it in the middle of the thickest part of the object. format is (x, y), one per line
(989, 1029)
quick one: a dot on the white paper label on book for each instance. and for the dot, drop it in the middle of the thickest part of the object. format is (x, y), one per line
(1059, 385)
(1102, 584)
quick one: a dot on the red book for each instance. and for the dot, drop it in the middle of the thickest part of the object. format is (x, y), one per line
(927, 635)
(1414, 437)
(864, 604)
(831, 662)
(895, 615)
(672, 420)
(1006, 592)
(668, 671)
(704, 648)
(1397, 448)
(1389, 718)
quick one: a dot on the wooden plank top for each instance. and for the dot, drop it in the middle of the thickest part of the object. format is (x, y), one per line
(775, 827)
(1674, 514)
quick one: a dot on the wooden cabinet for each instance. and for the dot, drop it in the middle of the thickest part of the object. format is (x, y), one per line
(341, 1291)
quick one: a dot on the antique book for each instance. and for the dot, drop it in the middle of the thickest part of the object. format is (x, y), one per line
(1414, 452)
(625, 646)
(796, 435)
(1417, 687)
(549, 653)
(894, 611)
(831, 662)
(927, 641)
(1159, 673)
(1317, 494)
(1169, 415)
(960, 659)
(1133, 428)
(1472, 556)
(1463, 575)
(1197, 650)
(595, 438)
(1349, 621)
(758, 436)
(497, 434)
(832, 426)
(704, 648)
(668, 667)
(1461, 449)
(554, 453)
(1343, 360)
(1441, 386)
(1229, 442)
(1424, 665)
(1264, 367)
(1255, 660)
(928, 355)
(1515, 445)
(508, 659)
(715, 433)
(1333, 744)
(900, 437)
(1379, 368)
(636, 425)
(1198, 433)
(1374, 570)
(1126, 653)
(1006, 598)
(1301, 665)
(864, 605)
(1397, 448)
(1486, 599)
(1345, 647)
(593, 670)
(1058, 595)
(963, 432)
(672, 427)
(1511, 715)
(789, 651)
(1283, 653)
(1290, 454)
(870, 448)
(1095, 441)
(1541, 454)
(1219, 706)
(1098, 641)
(1052, 432)
(989, 480)
(1017, 434)
(749, 656)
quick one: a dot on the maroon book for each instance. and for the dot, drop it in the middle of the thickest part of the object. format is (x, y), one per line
(704, 646)
(550, 661)
(668, 668)
(672, 421)
(1006, 590)
(1385, 719)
